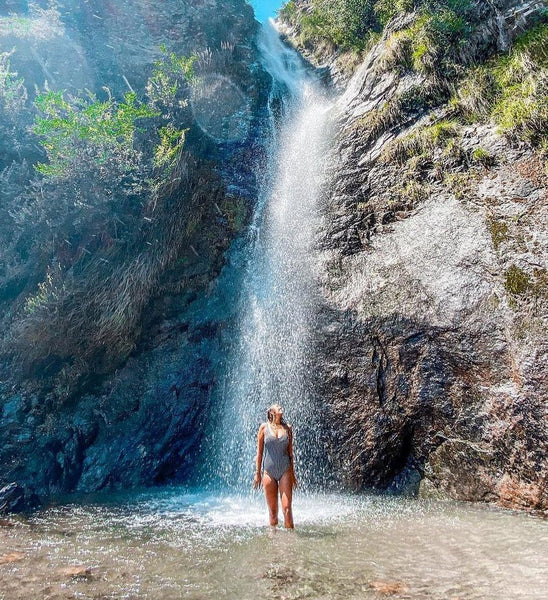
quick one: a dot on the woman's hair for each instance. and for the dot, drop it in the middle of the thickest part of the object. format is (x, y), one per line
(269, 415)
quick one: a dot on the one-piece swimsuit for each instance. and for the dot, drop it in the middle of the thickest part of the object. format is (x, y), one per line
(276, 458)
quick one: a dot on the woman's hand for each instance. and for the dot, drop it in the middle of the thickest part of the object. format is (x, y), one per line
(257, 481)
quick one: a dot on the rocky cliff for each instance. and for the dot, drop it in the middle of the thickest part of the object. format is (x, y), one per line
(108, 340)
(431, 348)
(433, 351)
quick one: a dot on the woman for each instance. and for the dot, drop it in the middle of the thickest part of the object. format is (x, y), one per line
(275, 440)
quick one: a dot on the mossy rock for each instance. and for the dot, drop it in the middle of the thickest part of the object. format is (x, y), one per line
(517, 281)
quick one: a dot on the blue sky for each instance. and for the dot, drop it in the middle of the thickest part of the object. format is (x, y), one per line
(265, 8)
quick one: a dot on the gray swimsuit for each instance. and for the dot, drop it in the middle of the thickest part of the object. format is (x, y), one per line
(276, 458)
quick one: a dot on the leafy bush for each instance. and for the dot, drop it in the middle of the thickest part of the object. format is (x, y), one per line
(13, 94)
(387, 9)
(433, 42)
(343, 23)
(167, 86)
(102, 129)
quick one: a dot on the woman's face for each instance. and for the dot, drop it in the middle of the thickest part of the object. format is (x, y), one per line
(276, 411)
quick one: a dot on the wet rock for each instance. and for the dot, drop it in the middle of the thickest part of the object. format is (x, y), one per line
(76, 572)
(431, 362)
(11, 557)
(14, 498)
(387, 588)
(135, 419)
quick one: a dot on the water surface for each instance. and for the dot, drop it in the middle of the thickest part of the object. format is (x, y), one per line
(182, 544)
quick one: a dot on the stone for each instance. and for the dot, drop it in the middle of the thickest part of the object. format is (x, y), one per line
(11, 557)
(14, 498)
(75, 572)
(129, 418)
(446, 369)
(388, 588)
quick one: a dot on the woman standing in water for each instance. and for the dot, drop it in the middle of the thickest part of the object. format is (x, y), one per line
(275, 440)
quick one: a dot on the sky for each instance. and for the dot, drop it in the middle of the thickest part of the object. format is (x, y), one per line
(265, 8)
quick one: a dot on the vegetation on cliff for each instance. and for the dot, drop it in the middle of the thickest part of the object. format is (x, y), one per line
(511, 90)
(440, 29)
(86, 226)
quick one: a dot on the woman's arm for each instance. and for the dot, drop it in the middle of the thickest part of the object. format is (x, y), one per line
(259, 457)
(290, 452)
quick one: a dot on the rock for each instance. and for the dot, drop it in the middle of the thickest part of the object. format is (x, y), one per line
(387, 588)
(76, 572)
(444, 355)
(11, 557)
(6, 523)
(14, 498)
(133, 417)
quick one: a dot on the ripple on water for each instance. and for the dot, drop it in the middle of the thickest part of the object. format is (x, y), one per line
(178, 543)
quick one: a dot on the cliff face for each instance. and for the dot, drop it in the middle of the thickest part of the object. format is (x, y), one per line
(109, 343)
(432, 357)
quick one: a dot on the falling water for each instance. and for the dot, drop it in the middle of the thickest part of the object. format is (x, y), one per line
(269, 361)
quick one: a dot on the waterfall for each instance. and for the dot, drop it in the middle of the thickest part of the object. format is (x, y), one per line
(269, 359)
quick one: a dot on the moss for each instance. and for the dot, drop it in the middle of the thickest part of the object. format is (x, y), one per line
(517, 282)
(422, 141)
(408, 195)
(460, 184)
(499, 232)
(540, 282)
(483, 157)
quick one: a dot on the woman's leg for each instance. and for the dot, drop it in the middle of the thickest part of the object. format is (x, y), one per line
(286, 494)
(270, 486)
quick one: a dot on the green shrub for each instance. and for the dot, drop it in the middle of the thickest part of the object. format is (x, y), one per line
(387, 9)
(344, 23)
(166, 88)
(436, 37)
(71, 126)
(13, 94)
(438, 33)
(171, 143)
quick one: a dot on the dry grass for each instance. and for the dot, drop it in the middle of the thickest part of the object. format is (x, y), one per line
(94, 316)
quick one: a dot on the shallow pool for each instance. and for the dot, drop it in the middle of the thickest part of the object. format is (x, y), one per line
(175, 543)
